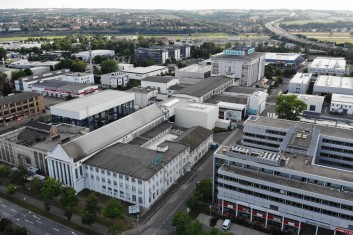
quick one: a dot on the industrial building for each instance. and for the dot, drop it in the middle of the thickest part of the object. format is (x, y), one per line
(26, 83)
(328, 66)
(84, 55)
(205, 89)
(299, 83)
(17, 107)
(333, 84)
(158, 55)
(196, 114)
(94, 111)
(143, 96)
(284, 59)
(29, 146)
(114, 160)
(197, 71)
(62, 89)
(140, 73)
(290, 175)
(161, 83)
(314, 103)
(342, 104)
(115, 79)
(242, 63)
(123, 67)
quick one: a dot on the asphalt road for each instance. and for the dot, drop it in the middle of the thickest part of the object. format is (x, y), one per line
(36, 224)
(160, 222)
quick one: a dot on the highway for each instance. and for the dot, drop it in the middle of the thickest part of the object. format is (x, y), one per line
(36, 224)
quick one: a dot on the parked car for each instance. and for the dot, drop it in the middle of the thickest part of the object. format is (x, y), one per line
(226, 224)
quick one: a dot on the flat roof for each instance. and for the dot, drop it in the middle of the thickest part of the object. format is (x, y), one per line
(197, 107)
(61, 85)
(286, 124)
(45, 75)
(196, 68)
(194, 136)
(328, 63)
(94, 52)
(339, 98)
(282, 56)
(244, 90)
(92, 104)
(305, 97)
(204, 86)
(301, 78)
(159, 79)
(135, 161)
(143, 70)
(226, 105)
(226, 98)
(237, 57)
(334, 81)
(143, 90)
(17, 97)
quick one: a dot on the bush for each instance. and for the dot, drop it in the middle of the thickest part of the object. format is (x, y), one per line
(4, 222)
(11, 189)
(213, 221)
(5, 171)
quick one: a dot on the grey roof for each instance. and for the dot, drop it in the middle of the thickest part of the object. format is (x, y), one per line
(223, 98)
(143, 90)
(45, 75)
(17, 97)
(29, 136)
(286, 124)
(108, 134)
(177, 87)
(135, 161)
(194, 136)
(61, 85)
(160, 79)
(239, 57)
(39, 125)
(243, 90)
(204, 86)
(157, 130)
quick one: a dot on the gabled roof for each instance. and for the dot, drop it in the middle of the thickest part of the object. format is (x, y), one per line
(108, 134)
(194, 136)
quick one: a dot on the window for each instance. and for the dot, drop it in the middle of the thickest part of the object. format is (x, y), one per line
(312, 108)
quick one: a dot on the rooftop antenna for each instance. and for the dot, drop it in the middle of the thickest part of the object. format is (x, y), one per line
(89, 48)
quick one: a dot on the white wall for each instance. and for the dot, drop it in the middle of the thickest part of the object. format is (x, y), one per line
(258, 102)
(114, 79)
(185, 117)
(298, 88)
(161, 87)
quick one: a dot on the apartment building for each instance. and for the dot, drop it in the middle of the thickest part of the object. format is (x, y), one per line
(115, 79)
(17, 107)
(158, 55)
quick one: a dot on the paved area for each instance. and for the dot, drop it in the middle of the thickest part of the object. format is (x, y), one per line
(50, 227)
(239, 230)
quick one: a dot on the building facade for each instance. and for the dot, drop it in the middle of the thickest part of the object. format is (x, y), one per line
(17, 107)
(333, 84)
(284, 59)
(328, 66)
(242, 63)
(194, 71)
(299, 83)
(342, 104)
(161, 83)
(158, 55)
(115, 79)
(140, 73)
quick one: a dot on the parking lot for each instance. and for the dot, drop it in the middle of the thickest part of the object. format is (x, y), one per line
(239, 230)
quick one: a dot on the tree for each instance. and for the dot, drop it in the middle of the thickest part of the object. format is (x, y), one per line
(4, 222)
(11, 189)
(305, 70)
(28, 72)
(35, 184)
(328, 98)
(78, 66)
(205, 189)
(51, 188)
(68, 200)
(181, 221)
(109, 66)
(193, 202)
(19, 176)
(114, 229)
(18, 74)
(92, 207)
(96, 70)
(5, 171)
(289, 107)
(3, 53)
(113, 209)
(6, 90)
(99, 59)
(278, 73)
(88, 218)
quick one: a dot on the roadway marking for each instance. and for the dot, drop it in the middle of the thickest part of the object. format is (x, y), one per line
(36, 217)
(29, 221)
(39, 221)
(176, 208)
(4, 205)
(73, 233)
(155, 232)
(56, 229)
(13, 210)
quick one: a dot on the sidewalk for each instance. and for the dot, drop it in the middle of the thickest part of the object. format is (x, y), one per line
(75, 219)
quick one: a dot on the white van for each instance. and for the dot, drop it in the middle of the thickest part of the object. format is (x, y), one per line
(226, 224)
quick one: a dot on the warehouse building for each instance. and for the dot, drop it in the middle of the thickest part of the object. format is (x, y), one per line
(84, 55)
(94, 111)
(17, 107)
(205, 89)
(161, 84)
(334, 85)
(242, 63)
(299, 83)
(328, 66)
(342, 104)
(29, 146)
(197, 71)
(139, 73)
(313, 103)
(284, 59)
(143, 96)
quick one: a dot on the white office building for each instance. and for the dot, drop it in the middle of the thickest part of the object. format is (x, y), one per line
(314, 103)
(139, 73)
(84, 55)
(242, 63)
(342, 104)
(115, 79)
(143, 96)
(161, 83)
(328, 66)
(333, 84)
(299, 83)
(123, 67)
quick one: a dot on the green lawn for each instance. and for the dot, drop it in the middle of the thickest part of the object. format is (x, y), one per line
(326, 36)
(17, 38)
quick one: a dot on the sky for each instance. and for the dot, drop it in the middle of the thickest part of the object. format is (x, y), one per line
(180, 4)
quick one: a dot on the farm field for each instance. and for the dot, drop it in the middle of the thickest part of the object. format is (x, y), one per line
(18, 38)
(338, 37)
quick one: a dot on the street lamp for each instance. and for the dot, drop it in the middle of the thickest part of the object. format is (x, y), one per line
(21, 192)
(210, 210)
